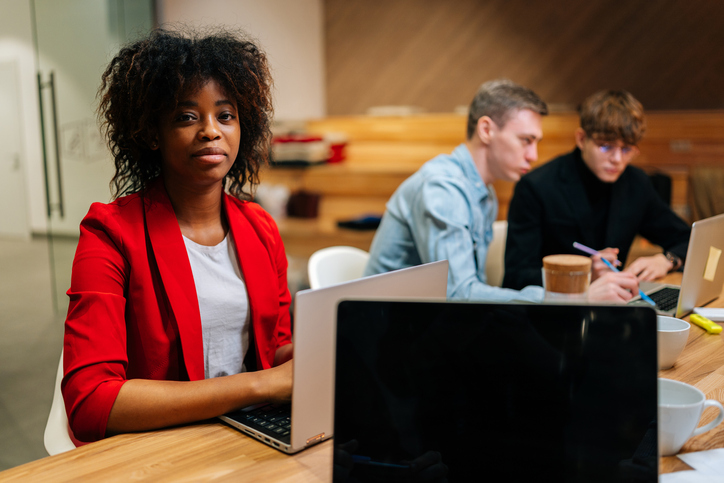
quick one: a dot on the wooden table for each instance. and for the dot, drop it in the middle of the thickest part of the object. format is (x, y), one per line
(198, 452)
(212, 450)
(701, 364)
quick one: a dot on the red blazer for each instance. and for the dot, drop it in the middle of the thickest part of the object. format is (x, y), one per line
(133, 309)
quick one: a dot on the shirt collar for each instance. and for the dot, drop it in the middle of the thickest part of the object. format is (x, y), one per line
(462, 157)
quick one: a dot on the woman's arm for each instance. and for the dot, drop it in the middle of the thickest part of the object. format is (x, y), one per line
(145, 404)
(283, 354)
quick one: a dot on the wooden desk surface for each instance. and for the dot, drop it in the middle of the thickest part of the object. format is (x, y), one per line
(701, 365)
(212, 450)
(199, 452)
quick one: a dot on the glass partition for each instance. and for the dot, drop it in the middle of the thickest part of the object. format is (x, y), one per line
(75, 40)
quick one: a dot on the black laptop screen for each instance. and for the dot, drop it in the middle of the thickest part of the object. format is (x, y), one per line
(480, 392)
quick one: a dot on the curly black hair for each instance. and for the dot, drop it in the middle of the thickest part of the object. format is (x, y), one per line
(148, 77)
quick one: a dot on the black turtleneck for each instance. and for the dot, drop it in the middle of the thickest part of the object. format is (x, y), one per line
(599, 197)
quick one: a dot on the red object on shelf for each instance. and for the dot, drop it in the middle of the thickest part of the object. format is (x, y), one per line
(297, 138)
(337, 153)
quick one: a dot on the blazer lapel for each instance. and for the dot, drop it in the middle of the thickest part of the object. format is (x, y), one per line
(178, 280)
(260, 277)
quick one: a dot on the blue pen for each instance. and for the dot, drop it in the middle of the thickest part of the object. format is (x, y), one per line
(591, 251)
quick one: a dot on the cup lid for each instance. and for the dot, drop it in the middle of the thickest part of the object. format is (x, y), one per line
(568, 263)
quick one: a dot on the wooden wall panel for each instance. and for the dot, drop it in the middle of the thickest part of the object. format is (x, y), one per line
(434, 54)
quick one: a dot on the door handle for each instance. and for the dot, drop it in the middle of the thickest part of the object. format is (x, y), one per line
(48, 206)
(59, 179)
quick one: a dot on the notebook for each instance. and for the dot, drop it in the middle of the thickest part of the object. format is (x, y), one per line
(311, 419)
(495, 392)
(703, 272)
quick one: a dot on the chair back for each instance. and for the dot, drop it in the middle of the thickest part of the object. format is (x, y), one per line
(57, 433)
(333, 265)
(706, 192)
(495, 264)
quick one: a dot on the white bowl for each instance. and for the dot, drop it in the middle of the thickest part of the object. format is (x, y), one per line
(672, 336)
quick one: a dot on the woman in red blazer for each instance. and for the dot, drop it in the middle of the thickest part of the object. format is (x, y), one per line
(187, 120)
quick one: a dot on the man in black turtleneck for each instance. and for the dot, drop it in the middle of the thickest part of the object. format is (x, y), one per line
(593, 196)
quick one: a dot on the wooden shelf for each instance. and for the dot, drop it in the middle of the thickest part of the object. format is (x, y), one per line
(302, 237)
(384, 151)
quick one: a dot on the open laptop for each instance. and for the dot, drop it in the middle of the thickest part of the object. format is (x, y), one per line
(495, 392)
(312, 419)
(703, 272)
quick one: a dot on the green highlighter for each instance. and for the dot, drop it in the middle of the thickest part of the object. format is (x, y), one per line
(704, 323)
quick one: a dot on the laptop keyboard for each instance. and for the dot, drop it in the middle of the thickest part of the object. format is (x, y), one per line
(666, 298)
(274, 420)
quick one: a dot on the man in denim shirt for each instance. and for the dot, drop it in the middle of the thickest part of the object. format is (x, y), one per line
(445, 211)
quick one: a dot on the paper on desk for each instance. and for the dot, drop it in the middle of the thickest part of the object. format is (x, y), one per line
(709, 462)
(688, 477)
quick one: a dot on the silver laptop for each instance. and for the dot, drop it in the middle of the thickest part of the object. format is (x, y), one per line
(703, 272)
(315, 315)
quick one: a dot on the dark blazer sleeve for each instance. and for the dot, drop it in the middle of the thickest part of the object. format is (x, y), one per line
(661, 226)
(523, 248)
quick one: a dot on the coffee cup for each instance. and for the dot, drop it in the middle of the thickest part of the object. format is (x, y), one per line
(672, 335)
(566, 277)
(680, 410)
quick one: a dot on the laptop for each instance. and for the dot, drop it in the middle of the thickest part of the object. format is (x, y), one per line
(703, 272)
(310, 419)
(501, 392)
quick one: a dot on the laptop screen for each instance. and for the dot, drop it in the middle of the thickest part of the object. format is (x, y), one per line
(499, 391)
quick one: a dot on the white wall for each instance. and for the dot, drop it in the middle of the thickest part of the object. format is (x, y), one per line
(289, 31)
(16, 44)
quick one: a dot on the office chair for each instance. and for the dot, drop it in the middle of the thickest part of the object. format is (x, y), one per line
(57, 433)
(333, 265)
(495, 264)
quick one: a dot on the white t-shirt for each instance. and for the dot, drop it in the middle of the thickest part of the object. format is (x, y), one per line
(224, 306)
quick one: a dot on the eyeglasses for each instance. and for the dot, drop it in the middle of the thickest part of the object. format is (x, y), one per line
(610, 148)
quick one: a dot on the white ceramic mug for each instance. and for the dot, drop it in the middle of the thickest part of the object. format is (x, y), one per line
(680, 410)
(672, 335)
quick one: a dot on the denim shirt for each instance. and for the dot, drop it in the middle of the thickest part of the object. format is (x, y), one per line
(444, 212)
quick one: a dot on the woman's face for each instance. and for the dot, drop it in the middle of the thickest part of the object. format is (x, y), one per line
(199, 140)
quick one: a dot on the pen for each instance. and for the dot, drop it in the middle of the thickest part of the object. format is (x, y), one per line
(591, 251)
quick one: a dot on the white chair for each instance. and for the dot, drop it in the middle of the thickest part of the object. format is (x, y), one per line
(495, 264)
(57, 433)
(333, 265)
